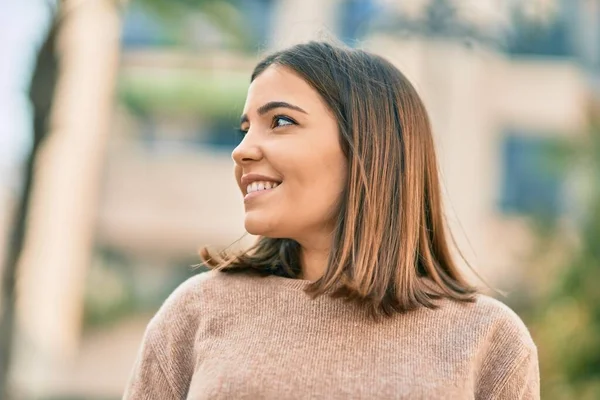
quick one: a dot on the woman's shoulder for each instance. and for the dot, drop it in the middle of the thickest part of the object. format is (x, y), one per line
(491, 311)
(492, 321)
(186, 301)
(200, 287)
(505, 355)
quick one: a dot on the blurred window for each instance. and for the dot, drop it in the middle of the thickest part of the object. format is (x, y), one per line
(223, 135)
(354, 17)
(258, 18)
(143, 29)
(534, 36)
(532, 179)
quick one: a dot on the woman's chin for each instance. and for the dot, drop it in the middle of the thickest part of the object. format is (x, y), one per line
(258, 226)
(254, 231)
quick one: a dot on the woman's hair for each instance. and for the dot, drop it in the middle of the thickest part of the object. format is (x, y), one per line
(389, 250)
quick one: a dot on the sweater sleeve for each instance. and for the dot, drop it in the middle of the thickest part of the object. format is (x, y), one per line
(165, 362)
(510, 368)
(149, 380)
(524, 382)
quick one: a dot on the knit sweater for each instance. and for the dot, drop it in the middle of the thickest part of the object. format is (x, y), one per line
(243, 336)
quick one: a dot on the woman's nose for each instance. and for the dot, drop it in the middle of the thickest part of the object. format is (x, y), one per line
(247, 151)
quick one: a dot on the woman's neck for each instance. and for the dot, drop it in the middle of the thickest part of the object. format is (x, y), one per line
(314, 262)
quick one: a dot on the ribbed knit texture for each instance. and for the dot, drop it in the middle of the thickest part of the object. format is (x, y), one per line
(241, 336)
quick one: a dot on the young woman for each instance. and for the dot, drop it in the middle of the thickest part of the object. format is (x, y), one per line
(351, 291)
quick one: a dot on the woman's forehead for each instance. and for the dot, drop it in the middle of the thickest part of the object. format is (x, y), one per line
(278, 83)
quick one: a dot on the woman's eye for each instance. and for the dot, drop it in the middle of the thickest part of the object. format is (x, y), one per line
(279, 121)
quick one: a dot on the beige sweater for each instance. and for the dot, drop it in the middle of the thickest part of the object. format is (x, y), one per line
(222, 336)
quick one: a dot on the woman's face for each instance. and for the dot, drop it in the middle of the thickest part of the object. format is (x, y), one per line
(290, 166)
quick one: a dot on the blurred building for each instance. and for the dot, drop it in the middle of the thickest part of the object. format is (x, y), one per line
(500, 101)
(173, 190)
(493, 113)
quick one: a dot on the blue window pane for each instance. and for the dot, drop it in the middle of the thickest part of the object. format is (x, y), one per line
(354, 16)
(258, 17)
(531, 182)
(143, 29)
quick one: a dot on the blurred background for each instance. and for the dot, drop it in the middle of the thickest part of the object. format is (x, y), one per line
(117, 119)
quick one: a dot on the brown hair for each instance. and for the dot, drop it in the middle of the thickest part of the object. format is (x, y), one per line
(390, 250)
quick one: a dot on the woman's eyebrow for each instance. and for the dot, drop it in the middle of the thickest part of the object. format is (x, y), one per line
(265, 108)
(278, 104)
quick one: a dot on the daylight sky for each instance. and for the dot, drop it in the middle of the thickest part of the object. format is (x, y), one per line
(22, 28)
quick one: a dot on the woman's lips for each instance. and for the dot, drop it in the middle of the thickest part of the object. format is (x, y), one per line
(258, 193)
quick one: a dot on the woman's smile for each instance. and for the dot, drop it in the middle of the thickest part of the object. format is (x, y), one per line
(254, 185)
(259, 188)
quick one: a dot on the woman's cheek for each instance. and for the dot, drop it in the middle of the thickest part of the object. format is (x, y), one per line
(237, 173)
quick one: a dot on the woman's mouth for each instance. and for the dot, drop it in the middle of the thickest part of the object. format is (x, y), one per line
(260, 185)
(258, 188)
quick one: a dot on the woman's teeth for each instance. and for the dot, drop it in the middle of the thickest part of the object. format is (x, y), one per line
(261, 185)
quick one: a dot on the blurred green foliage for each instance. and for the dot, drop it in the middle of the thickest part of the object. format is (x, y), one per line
(117, 288)
(224, 14)
(563, 310)
(211, 95)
